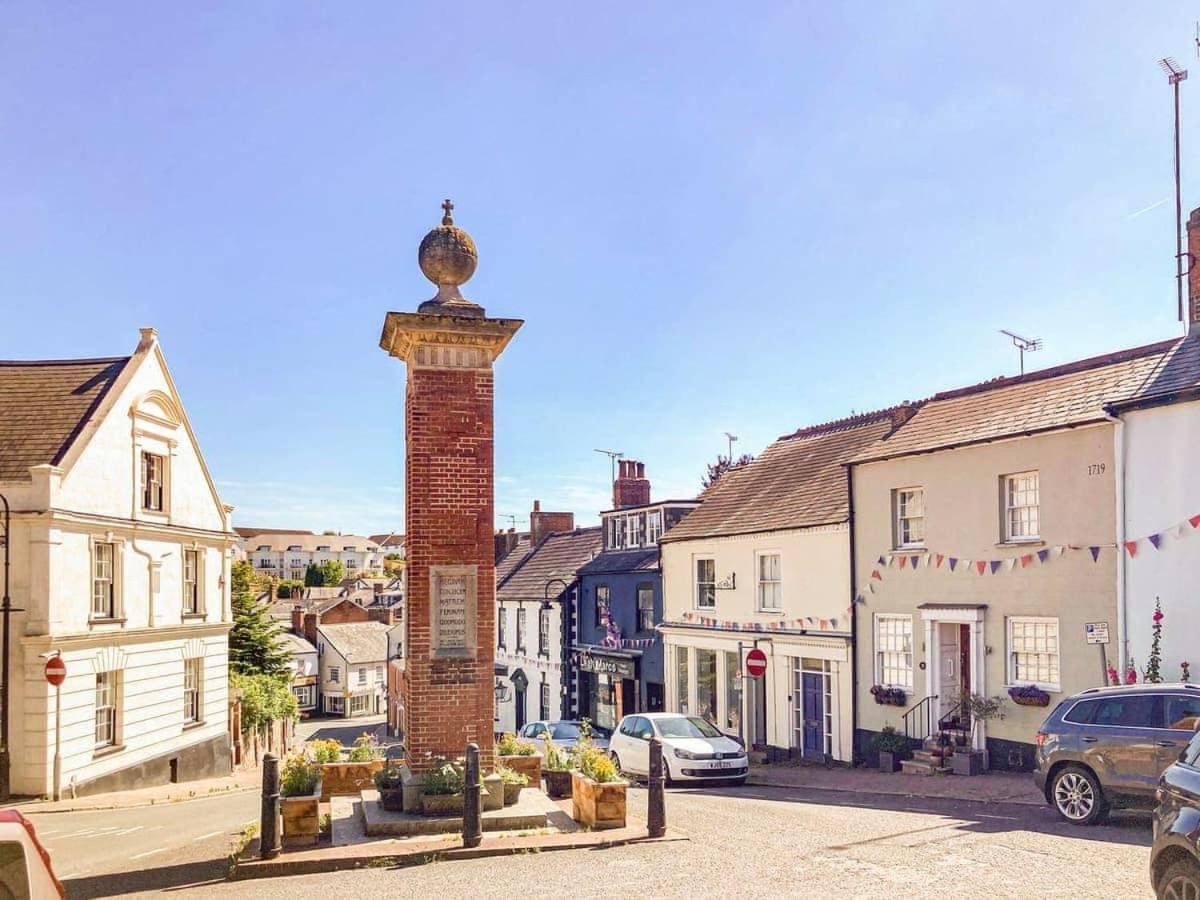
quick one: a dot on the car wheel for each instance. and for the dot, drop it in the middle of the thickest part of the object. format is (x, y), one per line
(1077, 796)
(1181, 881)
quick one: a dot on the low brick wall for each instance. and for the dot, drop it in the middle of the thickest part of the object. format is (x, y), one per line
(348, 777)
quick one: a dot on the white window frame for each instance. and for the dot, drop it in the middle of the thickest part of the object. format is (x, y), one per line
(335, 704)
(159, 484)
(362, 676)
(1008, 490)
(543, 632)
(193, 690)
(306, 695)
(544, 701)
(335, 674)
(760, 584)
(1010, 654)
(193, 589)
(107, 718)
(501, 627)
(901, 505)
(521, 617)
(698, 584)
(111, 580)
(654, 527)
(643, 624)
(880, 665)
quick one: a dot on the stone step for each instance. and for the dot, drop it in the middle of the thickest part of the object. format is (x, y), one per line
(917, 767)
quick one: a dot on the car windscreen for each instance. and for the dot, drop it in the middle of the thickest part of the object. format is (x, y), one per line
(686, 727)
(565, 731)
(14, 877)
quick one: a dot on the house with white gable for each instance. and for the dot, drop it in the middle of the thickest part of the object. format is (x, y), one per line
(120, 551)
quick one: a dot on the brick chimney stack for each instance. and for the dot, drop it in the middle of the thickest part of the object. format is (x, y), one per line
(1192, 313)
(544, 523)
(631, 487)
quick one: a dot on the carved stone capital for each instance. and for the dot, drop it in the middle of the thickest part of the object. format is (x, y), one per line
(446, 342)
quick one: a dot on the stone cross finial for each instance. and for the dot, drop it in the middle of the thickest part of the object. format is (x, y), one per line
(448, 209)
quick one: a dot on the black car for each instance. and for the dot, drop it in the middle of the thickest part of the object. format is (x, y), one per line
(1175, 856)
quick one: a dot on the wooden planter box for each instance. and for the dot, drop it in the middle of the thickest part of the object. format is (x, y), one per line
(968, 762)
(301, 819)
(526, 765)
(598, 805)
(348, 777)
(558, 783)
(442, 804)
(392, 798)
(512, 792)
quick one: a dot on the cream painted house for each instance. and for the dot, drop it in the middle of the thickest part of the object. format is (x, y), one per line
(765, 562)
(353, 663)
(985, 542)
(120, 561)
(288, 555)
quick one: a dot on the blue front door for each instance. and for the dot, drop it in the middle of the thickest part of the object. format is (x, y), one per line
(814, 715)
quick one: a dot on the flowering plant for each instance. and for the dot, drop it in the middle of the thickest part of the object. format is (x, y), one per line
(1114, 677)
(1185, 674)
(1153, 670)
(1029, 695)
(889, 696)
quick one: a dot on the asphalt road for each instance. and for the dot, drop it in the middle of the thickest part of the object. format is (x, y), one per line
(790, 842)
(108, 853)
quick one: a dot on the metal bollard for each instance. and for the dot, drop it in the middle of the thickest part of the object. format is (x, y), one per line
(269, 828)
(656, 809)
(473, 802)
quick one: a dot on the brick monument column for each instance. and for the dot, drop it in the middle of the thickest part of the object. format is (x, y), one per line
(448, 346)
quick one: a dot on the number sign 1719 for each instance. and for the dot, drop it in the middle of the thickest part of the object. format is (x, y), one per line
(1096, 469)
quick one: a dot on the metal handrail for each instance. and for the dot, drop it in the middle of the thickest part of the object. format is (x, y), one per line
(922, 709)
(960, 711)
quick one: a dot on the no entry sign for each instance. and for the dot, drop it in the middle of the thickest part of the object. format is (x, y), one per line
(56, 670)
(756, 663)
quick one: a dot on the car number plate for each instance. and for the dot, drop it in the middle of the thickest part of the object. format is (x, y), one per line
(721, 765)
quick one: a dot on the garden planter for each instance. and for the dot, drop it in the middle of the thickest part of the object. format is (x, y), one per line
(524, 765)
(442, 804)
(301, 819)
(889, 762)
(348, 777)
(597, 804)
(512, 792)
(558, 783)
(968, 762)
(1031, 701)
(392, 799)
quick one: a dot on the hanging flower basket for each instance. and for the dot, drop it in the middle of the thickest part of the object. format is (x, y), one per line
(1029, 695)
(886, 696)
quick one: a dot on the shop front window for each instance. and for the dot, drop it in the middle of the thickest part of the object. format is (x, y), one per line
(681, 679)
(606, 703)
(733, 693)
(706, 684)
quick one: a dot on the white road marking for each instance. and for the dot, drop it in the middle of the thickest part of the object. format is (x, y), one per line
(149, 853)
(42, 832)
(1006, 818)
(127, 831)
(205, 837)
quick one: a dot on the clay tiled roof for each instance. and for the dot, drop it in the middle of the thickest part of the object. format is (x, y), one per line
(1063, 396)
(247, 532)
(558, 555)
(45, 405)
(799, 481)
(388, 541)
(358, 642)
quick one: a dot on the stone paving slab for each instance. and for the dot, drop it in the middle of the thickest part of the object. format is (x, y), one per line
(248, 780)
(993, 787)
(532, 810)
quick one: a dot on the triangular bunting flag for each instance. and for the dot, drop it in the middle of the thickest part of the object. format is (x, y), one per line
(1043, 555)
(870, 587)
(1010, 563)
(995, 564)
(1026, 559)
(833, 623)
(1132, 547)
(1058, 550)
(1156, 540)
(913, 560)
(981, 565)
(882, 560)
(1195, 521)
(1180, 530)
(953, 563)
(938, 558)
(903, 561)
(875, 574)
(1095, 551)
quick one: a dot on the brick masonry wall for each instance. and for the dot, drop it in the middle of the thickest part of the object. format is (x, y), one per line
(449, 515)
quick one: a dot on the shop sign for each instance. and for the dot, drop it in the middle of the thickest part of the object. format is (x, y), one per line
(607, 665)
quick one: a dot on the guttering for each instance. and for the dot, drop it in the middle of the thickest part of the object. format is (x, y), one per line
(1122, 592)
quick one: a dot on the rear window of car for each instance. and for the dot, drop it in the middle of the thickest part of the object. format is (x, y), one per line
(1135, 711)
(1183, 712)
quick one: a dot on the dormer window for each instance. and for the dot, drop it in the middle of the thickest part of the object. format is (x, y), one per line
(324, 548)
(154, 482)
(264, 548)
(348, 549)
(294, 548)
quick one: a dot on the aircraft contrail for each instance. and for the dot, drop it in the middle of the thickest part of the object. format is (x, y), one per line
(1148, 208)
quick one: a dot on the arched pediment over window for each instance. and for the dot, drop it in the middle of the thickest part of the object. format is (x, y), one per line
(158, 407)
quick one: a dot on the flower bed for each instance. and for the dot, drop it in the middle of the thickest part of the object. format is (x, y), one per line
(300, 790)
(348, 777)
(597, 804)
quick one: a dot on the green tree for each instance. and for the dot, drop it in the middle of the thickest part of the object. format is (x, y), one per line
(265, 699)
(254, 647)
(332, 572)
(312, 576)
(721, 466)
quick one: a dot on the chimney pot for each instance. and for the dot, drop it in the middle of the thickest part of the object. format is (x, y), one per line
(537, 505)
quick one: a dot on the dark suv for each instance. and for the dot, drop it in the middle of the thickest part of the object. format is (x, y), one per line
(1175, 856)
(1107, 747)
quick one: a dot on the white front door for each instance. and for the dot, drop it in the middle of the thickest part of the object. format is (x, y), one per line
(949, 677)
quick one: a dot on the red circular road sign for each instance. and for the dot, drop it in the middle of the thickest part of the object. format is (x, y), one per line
(56, 670)
(756, 663)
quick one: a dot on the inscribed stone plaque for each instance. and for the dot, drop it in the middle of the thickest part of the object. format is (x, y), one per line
(452, 610)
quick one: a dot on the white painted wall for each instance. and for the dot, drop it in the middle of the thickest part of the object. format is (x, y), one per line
(536, 668)
(1162, 490)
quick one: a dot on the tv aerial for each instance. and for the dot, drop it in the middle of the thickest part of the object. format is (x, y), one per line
(1023, 344)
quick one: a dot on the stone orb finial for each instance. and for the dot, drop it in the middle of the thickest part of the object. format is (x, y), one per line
(447, 254)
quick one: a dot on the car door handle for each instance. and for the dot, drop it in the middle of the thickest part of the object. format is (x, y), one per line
(1164, 743)
(1089, 740)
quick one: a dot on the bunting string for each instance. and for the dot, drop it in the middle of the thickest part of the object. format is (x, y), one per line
(804, 622)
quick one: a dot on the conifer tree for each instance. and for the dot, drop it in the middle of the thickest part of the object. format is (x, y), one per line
(254, 647)
(313, 576)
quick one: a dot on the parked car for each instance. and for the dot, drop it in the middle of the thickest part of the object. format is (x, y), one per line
(693, 748)
(565, 734)
(1175, 856)
(1107, 747)
(25, 869)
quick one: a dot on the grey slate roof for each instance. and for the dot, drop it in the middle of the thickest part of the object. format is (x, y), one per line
(558, 555)
(44, 407)
(615, 561)
(357, 642)
(513, 558)
(294, 644)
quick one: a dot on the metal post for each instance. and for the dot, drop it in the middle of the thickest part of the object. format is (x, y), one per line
(269, 830)
(58, 742)
(472, 803)
(656, 810)
(6, 612)
(1179, 267)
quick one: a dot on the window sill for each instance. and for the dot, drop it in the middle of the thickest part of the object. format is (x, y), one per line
(192, 726)
(1022, 542)
(194, 617)
(769, 612)
(107, 751)
(106, 621)
(916, 550)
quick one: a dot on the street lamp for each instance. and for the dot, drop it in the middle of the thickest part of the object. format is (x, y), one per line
(6, 610)
(502, 692)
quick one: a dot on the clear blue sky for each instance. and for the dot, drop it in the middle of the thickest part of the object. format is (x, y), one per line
(711, 217)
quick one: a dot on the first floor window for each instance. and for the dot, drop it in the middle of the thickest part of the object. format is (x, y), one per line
(769, 584)
(909, 504)
(379, 673)
(334, 674)
(193, 674)
(501, 627)
(520, 629)
(706, 583)
(1033, 652)
(1021, 518)
(543, 633)
(602, 606)
(104, 585)
(191, 581)
(893, 651)
(645, 602)
(681, 679)
(545, 704)
(107, 684)
(362, 675)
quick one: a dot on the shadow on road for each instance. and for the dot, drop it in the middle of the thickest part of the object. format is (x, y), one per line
(209, 871)
(347, 731)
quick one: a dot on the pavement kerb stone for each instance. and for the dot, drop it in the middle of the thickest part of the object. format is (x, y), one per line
(34, 807)
(283, 866)
(760, 781)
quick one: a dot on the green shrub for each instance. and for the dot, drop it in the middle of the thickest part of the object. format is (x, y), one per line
(325, 751)
(511, 776)
(265, 699)
(445, 778)
(891, 741)
(366, 748)
(389, 778)
(595, 764)
(556, 760)
(509, 745)
(299, 776)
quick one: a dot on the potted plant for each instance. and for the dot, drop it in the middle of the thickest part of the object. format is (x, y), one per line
(892, 747)
(889, 696)
(556, 770)
(597, 791)
(443, 789)
(300, 799)
(969, 760)
(1029, 695)
(352, 774)
(521, 756)
(389, 781)
(513, 782)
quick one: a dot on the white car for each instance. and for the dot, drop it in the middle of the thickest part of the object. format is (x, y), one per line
(693, 748)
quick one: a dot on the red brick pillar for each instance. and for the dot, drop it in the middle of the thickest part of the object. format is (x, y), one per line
(447, 691)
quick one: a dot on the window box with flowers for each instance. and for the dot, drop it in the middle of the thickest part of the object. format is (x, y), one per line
(889, 696)
(1029, 695)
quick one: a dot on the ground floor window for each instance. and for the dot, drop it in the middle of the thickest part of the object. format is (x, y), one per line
(545, 701)
(733, 692)
(360, 704)
(706, 684)
(335, 704)
(681, 679)
(606, 702)
(107, 687)
(306, 695)
(1033, 651)
(193, 674)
